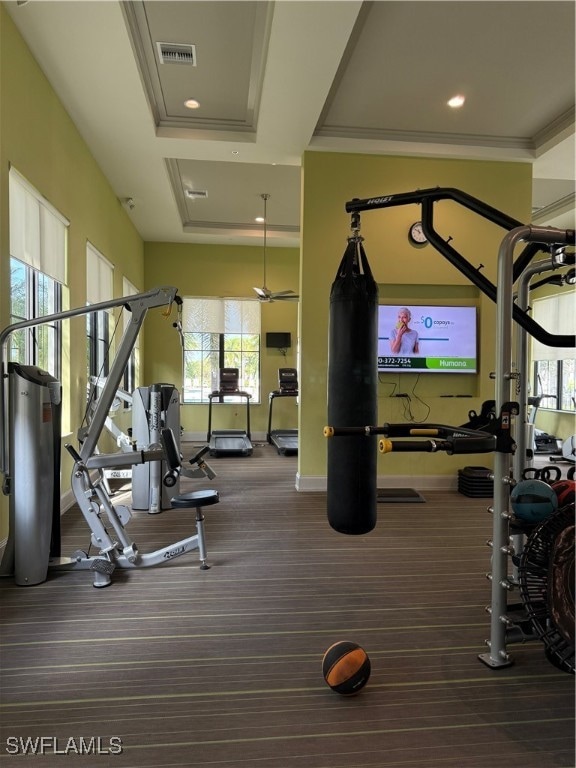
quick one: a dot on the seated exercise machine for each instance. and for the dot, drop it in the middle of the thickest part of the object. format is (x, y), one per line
(30, 463)
(229, 442)
(152, 408)
(285, 440)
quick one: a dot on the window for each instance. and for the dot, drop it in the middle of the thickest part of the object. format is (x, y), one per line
(554, 367)
(99, 287)
(38, 241)
(220, 333)
(131, 374)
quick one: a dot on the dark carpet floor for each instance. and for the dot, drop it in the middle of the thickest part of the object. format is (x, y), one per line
(173, 666)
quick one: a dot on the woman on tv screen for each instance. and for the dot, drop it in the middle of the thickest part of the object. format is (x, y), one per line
(403, 339)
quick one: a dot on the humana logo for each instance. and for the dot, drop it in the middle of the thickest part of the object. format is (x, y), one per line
(452, 364)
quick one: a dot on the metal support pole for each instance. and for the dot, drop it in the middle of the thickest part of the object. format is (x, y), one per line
(500, 583)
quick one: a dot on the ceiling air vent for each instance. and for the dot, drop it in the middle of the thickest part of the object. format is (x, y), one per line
(195, 194)
(177, 53)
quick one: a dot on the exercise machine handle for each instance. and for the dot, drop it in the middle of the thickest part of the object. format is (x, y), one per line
(73, 452)
(451, 439)
(173, 458)
(197, 456)
(353, 431)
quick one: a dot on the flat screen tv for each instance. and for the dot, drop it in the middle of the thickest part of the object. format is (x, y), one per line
(424, 339)
(279, 339)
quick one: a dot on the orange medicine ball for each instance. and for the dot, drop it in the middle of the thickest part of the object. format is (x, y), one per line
(346, 667)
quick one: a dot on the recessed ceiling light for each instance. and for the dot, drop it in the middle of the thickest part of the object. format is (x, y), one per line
(456, 101)
(191, 104)
(259, 219)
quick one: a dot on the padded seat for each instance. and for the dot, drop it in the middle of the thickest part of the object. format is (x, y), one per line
(195, 499)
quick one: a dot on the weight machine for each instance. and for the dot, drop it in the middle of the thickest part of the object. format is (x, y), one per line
(505, 628)
(152, 408)
(30, 453)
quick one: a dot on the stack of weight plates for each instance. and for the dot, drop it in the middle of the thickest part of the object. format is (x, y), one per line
(475, 481)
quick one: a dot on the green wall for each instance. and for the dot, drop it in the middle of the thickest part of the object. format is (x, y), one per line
(40, 140)
(418, 274)
(223, 271)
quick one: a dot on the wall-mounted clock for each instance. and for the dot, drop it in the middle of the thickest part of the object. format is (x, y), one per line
(416, 234)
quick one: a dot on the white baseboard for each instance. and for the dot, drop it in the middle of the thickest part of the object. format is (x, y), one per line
(419, 483)
(67, 500)
(310, 482)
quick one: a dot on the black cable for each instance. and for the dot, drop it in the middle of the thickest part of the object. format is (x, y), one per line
(420, 421)
(392, 383)
(92, 395)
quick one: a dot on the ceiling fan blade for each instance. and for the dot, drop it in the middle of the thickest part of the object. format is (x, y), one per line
(275, 294)
(263, 293)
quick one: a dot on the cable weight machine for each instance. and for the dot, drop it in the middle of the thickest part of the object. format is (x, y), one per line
(359, 517)
(30, 471)
(152, 408)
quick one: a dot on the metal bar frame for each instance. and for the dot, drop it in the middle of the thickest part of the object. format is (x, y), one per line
(426, 199)
(502, 628)
(139, 304)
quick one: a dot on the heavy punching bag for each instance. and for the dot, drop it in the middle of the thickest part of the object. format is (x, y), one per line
(352, 393)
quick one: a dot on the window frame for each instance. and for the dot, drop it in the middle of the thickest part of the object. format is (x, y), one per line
(38, 235)
(99, 287)
(220, 348)
(41, 344)
(553, 368)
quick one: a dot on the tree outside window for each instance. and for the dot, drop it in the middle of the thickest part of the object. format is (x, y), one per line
(220, 333)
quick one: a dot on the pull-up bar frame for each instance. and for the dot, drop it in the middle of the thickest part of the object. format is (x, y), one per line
(426, 199)
(502, 628)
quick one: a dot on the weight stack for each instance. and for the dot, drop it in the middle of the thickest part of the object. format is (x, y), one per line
(474, 482)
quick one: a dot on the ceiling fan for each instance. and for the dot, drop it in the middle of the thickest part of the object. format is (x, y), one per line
(264, 293)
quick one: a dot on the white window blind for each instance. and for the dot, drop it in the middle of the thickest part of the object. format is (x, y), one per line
(202, 315)
(38, 232)
(99, 276)
(128, 289)
(556, 315)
